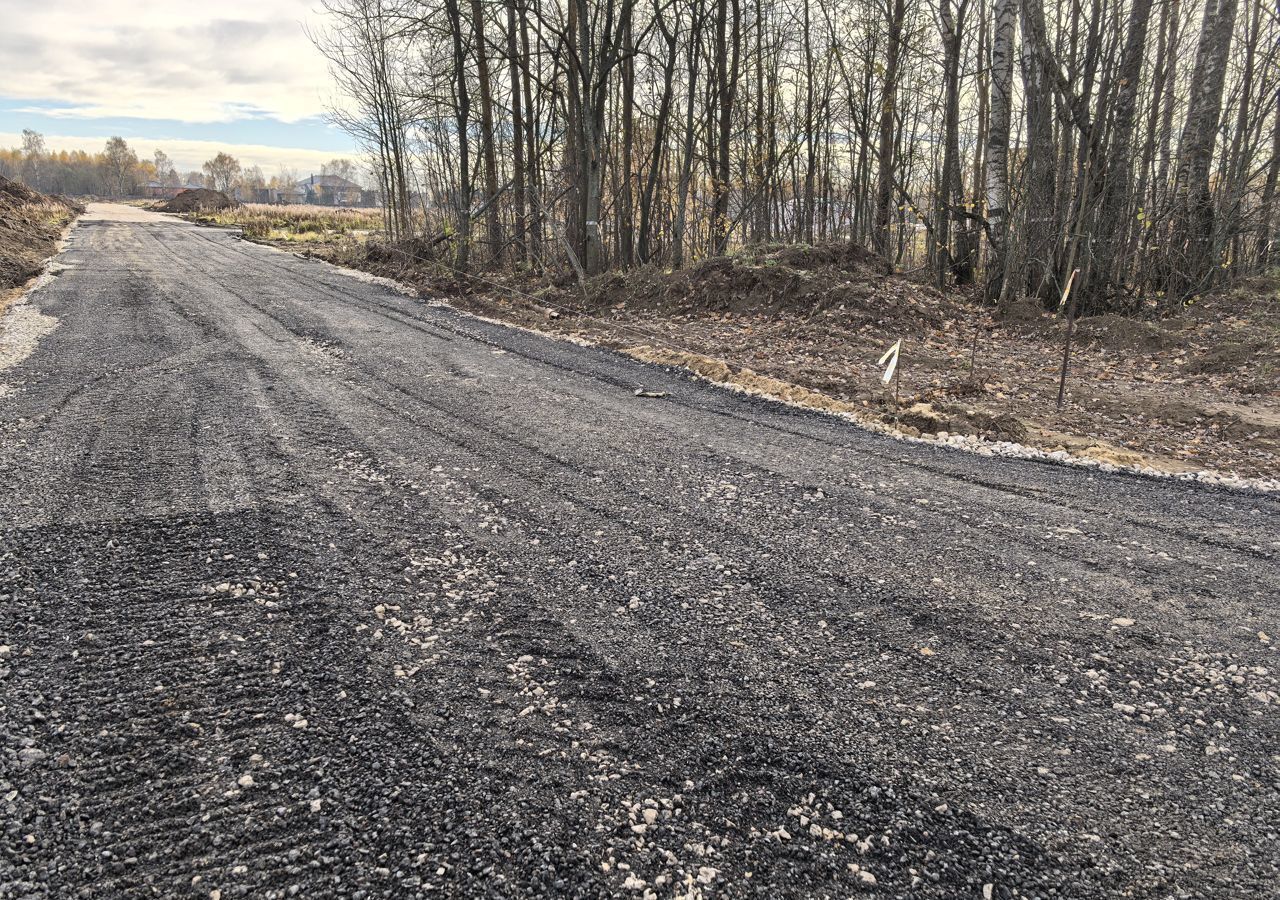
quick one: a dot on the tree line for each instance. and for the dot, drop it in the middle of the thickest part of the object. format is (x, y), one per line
(117, 170)
(1003, 144)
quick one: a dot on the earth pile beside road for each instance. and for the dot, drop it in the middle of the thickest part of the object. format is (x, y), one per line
(30, 226)
(196, 200)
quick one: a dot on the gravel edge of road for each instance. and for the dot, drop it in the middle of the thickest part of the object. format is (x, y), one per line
(1011, 449)
(11, 297)
(976, 445)
(21, 324)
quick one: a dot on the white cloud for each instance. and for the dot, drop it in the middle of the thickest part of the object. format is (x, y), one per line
(190, 155)
(165, 59)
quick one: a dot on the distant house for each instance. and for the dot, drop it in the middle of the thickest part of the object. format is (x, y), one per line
(331, 190)
(158, 190)
(293, 194)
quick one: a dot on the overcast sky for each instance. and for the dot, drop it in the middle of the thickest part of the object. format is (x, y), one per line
(186, 77)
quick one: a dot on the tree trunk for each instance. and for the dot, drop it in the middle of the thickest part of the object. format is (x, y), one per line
(533, 177)
(1004, 35)
(670, 35)
(1040, 179)
(888, 114)
(493, 225)
(517, 139)
(728, 51)
(462, 101)
(1114, 197)
(805, 231)
(574, 170)
(626, 211)
(1239, 158)
(686, 165)
(1169, 100)
(1267, 236)
(1194, 222)
(948, 195)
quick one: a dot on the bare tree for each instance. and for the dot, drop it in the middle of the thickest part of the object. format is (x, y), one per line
(166, 173)
(222, 171)
(897, 11)
(1004, 36)
(342, 168)
(613, 134)
(1195, 220)
(34, 159)
(493, 223)
(120, 166)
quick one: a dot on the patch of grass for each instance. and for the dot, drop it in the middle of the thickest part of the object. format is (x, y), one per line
(300, 224)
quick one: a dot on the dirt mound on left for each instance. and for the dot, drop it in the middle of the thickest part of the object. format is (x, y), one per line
(30, 225)
(197, 200)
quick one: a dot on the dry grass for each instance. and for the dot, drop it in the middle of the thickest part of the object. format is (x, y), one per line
(294, 224)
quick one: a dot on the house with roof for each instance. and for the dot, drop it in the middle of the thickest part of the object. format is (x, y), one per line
(159, 190)
(331, 190)
(294, 193)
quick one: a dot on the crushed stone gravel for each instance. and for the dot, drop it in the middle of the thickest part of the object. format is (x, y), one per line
(308, 588)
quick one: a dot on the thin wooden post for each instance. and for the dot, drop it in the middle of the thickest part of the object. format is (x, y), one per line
(1071, 322)
(897, 376)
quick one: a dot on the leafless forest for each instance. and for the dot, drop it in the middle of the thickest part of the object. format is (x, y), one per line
(1002, 143)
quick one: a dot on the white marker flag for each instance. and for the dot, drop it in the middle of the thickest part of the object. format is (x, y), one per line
(891, 357)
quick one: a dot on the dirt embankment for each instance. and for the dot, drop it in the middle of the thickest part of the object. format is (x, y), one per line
(808, 324)
(30, 226)
(197, 200)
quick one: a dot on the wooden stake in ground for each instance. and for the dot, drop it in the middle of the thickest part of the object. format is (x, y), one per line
(894, 372)
(897, 376)
(1071, 322)
(973, 352)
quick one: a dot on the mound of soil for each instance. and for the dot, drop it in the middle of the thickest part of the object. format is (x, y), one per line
(1225, 357)
(12, 193)
(200, 199)
(1021, 311)
(30, 225)
(954, 418)
(837, 280)
(1121, 333)
(839, 254)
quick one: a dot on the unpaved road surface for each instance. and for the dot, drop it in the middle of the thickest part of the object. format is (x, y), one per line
(311, 589)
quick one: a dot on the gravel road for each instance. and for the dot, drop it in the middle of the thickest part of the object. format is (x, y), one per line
(308, 588)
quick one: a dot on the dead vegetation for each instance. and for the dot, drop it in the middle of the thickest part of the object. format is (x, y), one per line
(30, 226)
(291, 224)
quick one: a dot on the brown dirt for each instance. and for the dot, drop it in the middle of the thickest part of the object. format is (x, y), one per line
(1199, 391)
(838, 281)
(30, 226)
(197, 200)
(1114, 332)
